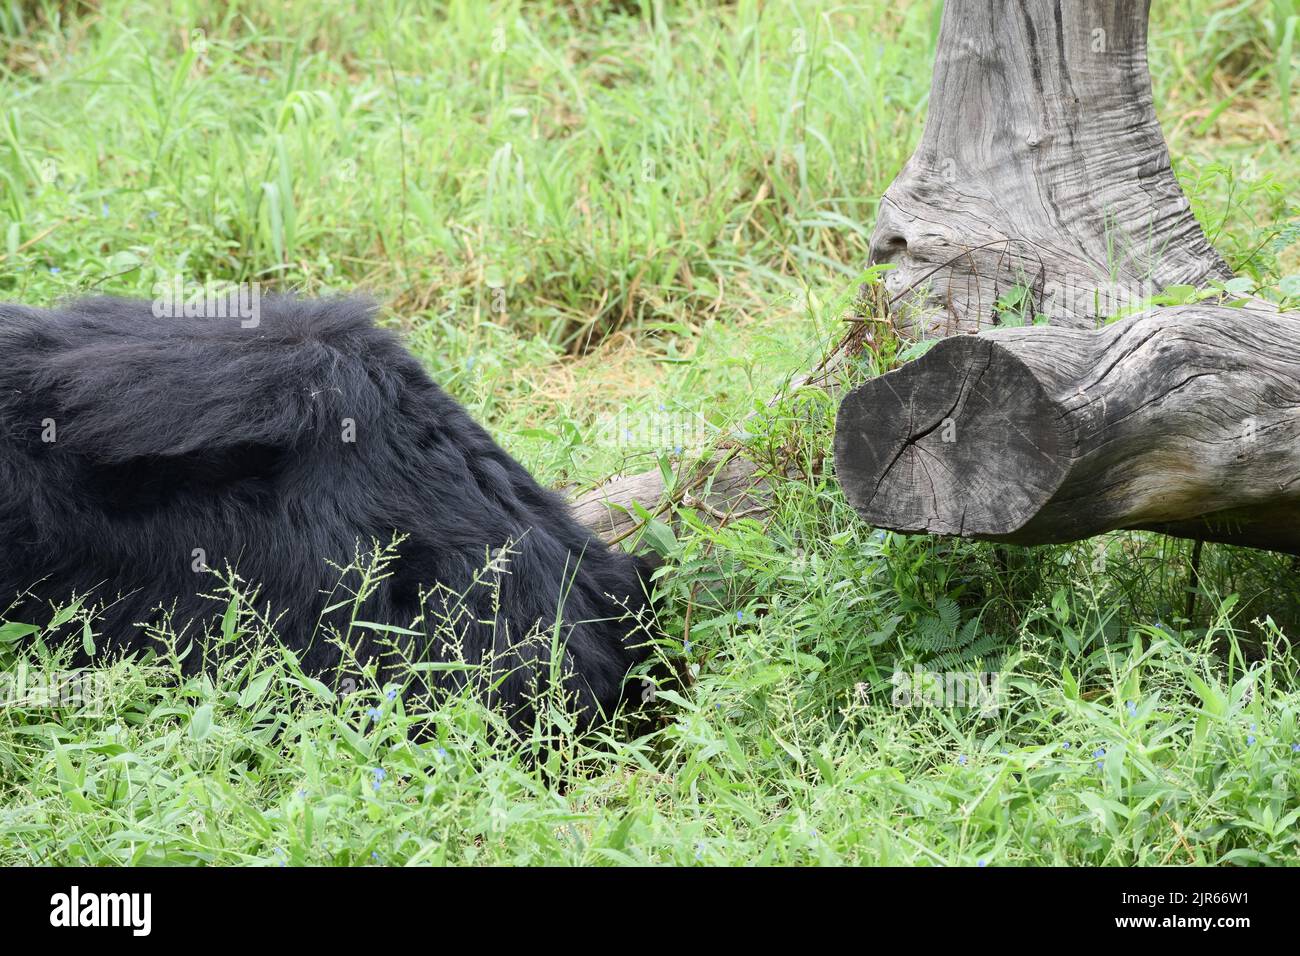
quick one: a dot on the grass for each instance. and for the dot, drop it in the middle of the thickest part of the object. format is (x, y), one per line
(590, 213)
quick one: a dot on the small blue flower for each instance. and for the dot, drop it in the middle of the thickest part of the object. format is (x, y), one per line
(1101, 765)
(1295, 748)
(740, 615)
(302, 794)
(103, 210)
(961, 759)
(373, 713)
(1250, 740)
(374, 855)
(55, 270)
(1065, 746)
(441, 752)
(1132, 708)
(391, 695)
(1099, 752)
(1252, 726)
(982, 862)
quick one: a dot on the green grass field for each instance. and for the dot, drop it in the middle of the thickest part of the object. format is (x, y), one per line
(592, 212)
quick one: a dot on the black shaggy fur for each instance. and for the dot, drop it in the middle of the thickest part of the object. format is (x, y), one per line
(177, 434)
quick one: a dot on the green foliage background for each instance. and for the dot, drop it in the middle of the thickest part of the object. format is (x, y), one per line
(582, 210)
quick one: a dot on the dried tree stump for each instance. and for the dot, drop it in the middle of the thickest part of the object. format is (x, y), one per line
(1042, 167)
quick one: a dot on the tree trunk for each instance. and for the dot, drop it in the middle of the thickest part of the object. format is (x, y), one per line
(1185, 421)
(1042, 167)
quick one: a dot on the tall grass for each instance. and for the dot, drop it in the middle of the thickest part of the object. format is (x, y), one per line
(577, 211)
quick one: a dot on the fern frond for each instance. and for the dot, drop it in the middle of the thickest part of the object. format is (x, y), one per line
(948, 612)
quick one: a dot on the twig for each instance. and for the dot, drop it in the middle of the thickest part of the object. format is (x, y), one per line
(37, 238)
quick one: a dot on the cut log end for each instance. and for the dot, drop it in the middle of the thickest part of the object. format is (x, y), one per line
(1183, 420)
(963, 441)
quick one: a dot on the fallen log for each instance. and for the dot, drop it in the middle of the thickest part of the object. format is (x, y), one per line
(1041, 184)
(731, 488)
(1183, 420)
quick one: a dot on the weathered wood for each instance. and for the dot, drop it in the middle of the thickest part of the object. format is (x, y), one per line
(734, 488)
(1182, 420)
(1042, 165)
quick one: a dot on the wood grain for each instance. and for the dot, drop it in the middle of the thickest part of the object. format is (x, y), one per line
(1042, 165)
(1183, 420)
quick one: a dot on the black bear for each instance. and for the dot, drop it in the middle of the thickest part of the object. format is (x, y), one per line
(137, 452)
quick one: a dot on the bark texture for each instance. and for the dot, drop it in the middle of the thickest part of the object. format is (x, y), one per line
(1042, 166)
(733, 488)
(1183, 420)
